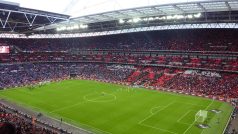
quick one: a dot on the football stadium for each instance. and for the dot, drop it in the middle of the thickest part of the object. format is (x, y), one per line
(119, 67)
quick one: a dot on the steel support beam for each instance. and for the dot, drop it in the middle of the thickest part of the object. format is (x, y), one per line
(4, 23)
(228, 6)
(202, 7)
(21, 12)
(178, 8)
(52, 20)
(30, 22)
(159, 10)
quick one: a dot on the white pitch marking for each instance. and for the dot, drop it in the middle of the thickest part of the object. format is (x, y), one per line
(183, 116)
(195, 121)
(206, 109)
(87, 125)
(63, 108)
(152, 109)
(158, 128)
(184, 123)
(192, 104)
(156, 112)
(66, 107)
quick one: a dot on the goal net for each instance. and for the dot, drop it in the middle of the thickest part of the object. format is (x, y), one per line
(201, 116)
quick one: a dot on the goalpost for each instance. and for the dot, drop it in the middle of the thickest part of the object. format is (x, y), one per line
(201, 116)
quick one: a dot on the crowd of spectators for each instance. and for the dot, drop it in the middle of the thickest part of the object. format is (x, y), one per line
(216, 63)
(206, 83)
(188, 40)
(210, 42)
(14, 122)
(190, 81)
(111, 73)
(27, 74)
(224, 86)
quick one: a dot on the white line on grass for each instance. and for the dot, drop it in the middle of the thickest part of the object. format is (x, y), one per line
(75, 123)
(183, 116)
(209, 105)
(156, 112)
(191, 104)
(158, 128)
(65, 122)
(152, 109)
(189, 127)
(66, 107)
(36, 108)
(69, 124)
(206, 109)
(63, 108)
(47, 115)
(151, 114)
(195, 121)
(84, 125)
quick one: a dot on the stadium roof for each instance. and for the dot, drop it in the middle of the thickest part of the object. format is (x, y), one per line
(111, 19)
(76, 8)
(16, 19)
(161, 10)
(155, 10)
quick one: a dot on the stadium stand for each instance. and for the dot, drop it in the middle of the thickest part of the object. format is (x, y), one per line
(15, 122)
(28, 74)
(179, 63)
(181, 40)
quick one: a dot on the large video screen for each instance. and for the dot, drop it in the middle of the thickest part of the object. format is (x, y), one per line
(4, 49)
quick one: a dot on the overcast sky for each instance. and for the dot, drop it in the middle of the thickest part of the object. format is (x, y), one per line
(77, 8)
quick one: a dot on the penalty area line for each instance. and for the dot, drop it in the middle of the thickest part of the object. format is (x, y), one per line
(183, 116)
(152, 109)
(165, 130)
(156, 112)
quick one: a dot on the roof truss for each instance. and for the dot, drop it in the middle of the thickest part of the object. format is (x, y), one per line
(168, 9)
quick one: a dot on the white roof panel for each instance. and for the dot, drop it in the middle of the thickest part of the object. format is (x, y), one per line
(233, 5)
(149, 11)
(115, 15)
(161, 10)
(133, 13)
(215, 6)
(190, 7)
(170, 9)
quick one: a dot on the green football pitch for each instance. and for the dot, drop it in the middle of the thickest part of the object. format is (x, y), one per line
(116, 109)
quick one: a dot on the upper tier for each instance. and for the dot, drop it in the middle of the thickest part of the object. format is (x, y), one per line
(188, 40)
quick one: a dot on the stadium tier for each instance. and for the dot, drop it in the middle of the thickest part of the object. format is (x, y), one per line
(176, 73)
(213, 49)
(180, 40)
